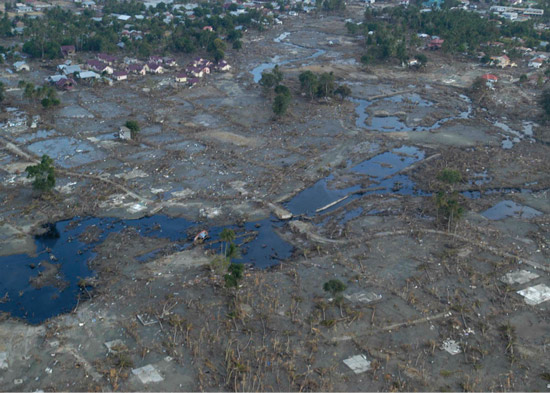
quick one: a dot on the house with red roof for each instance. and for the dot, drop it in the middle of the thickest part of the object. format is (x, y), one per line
(435, 44)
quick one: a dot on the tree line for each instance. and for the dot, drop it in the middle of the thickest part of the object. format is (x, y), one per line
(45, 36)
(392, 33)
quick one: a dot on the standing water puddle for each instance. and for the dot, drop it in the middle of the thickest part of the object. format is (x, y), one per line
(381, 169)
(506, 209)
(257, 71)
(26, 292)
(393, 123)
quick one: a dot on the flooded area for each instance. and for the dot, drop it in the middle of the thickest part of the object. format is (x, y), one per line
(64, 254)
(508, 208)
(378, 172)
(103, 272)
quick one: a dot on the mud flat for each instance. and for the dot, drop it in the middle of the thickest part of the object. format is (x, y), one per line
(106, 290)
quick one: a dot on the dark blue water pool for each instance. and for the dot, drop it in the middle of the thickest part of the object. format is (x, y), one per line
(62, 247)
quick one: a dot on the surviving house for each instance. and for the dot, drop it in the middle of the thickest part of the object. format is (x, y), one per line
(108, 59)
(170, 62)
(501, 61)
(140, 69)
(69, 69)
(65, 84)
(120, 75)
(181, 77)
(435, 44)
(490, 80)
(124, 133)
(21, 66)
(223, 66)
(68, 50)
(88, 75)
(100, 66)
(536, 62)
(155, 68)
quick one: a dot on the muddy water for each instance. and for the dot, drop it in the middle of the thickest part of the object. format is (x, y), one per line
(62, 247)
(506, 209)
(257, 71)
(381, 169)
(393, 123)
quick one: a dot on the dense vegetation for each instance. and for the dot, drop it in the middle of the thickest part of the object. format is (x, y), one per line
(43, 174)
(44, 36)
(392, 33)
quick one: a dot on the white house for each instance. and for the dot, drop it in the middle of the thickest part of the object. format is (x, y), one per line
(120, 75)
(182, 78)
(21, 66)
(88, 75)
(536, 62)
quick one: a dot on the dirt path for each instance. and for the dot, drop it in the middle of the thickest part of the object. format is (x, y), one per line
(12, 147)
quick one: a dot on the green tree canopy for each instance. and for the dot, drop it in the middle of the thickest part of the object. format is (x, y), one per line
(43, 174)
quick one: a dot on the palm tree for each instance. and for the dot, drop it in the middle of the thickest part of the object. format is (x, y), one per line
(227, 236)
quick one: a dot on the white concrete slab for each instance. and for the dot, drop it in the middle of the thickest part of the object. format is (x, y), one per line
(3, 361)
(518, 277)
(536, 295)
(451, 346)
(358, 364)
(363, 297)
(147, 374)
(115, 345)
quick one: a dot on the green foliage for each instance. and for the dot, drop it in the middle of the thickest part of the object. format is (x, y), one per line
(268, 80)
(43, 174)
(44, 36)
(309, 82)
(278, 74)
(237, 44)
(282, 89)
(352, 28)
(280, 104)
(479, 87)
(343, 91)
(523, 78)
(234, 275)
(326, 84)
(218, 55)
(219, 264)
(2, 92)
(331, 5)
(449, 176)
(448, 208)
(47, 95)
(133, 126)
(422, 59)
(545, 103)
(334, 287)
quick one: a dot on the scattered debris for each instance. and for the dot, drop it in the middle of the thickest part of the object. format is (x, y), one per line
(536, 295)
(200, 237)
(115, 345)
(358, 364)
(518, 277)
(3, 360)
(146, 319)
(136, 208)
(363, 297)
(280, 213)
(147, 374)
(451, 346)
